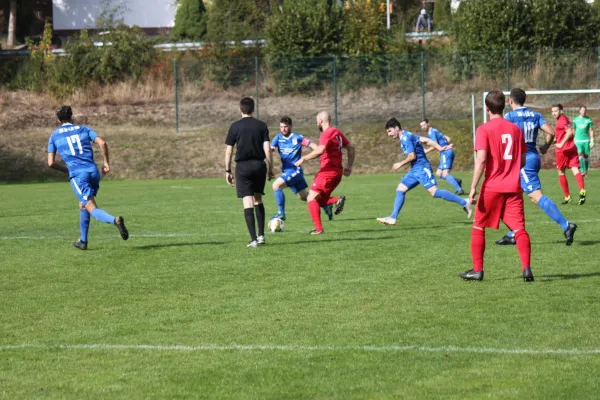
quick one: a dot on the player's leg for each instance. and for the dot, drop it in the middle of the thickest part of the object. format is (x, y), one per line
(564, 184)
(409, 181)
(514, 217)
(446, 161)
(487, 215)
(574, 166)
(303, 194)
(84, 226)
(259, 210)
(429, 182)
(245, 191)
(259, 179)
(583, 150)
(314, 208)
(86, 187)
(278, 187)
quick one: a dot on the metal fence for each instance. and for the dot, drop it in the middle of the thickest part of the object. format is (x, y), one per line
(364, 89)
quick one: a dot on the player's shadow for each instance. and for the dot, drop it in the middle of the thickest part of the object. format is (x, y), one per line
(554, 277)
(317, 241)
(186, 244)
(587, 242)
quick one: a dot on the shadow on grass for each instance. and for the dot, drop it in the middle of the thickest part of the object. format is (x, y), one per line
(587, 242)
(317, 240)
(554, 277)
(160, 246)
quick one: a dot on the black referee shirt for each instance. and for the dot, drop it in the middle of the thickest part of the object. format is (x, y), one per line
(248, 134)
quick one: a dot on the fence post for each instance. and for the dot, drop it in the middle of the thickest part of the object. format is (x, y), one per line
(598, 67)
(507, 69)
(175, 80)
(335, 93)
(423, 111)
(256, 80)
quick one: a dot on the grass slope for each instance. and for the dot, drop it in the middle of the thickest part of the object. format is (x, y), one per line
(185, 278)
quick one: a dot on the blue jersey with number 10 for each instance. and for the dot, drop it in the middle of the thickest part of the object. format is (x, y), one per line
(74, 144)
(530, 122)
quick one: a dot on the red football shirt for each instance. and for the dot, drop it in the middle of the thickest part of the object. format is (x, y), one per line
(334, 141)
(562, 124)
(505, 146)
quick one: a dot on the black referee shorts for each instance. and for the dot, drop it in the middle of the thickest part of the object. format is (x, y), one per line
(250, 177)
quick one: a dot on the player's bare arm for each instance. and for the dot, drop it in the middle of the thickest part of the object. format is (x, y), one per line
(429, 150)
(480, 161)
(434, 144)
(591, 138)
(228, 155)
(351, 154)
(54, 165)
(549, 135)
(313, 154)
(409, 158)
(104, 150)
(268, 159)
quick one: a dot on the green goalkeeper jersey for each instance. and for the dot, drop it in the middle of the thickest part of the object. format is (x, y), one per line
(582, 128)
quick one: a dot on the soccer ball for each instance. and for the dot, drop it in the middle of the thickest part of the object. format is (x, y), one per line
(276, 225)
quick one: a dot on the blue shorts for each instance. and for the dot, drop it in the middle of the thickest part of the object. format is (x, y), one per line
(294, 179)
(446, 159)
(85, 185)
(420, 175)
(530, 180)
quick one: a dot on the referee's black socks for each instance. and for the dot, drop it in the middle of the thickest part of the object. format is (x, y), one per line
(260, 217)
(249, 216)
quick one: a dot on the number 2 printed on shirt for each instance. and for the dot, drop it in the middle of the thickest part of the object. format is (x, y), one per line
(507, 140)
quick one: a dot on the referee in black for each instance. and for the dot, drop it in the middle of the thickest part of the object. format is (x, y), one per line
(253, 164)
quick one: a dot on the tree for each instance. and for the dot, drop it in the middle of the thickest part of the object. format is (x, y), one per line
(190, 20)
(235, 20)
(442, 16)
(364, 27)
(493, 25)
(12, 24)
(305, 28)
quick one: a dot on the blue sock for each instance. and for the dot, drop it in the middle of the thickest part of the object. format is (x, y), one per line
(452, 180)
(553, 212)
(280, 200)
(510, 234)
(84, 224)
(103, 216)
(398, 203)
(446, 195)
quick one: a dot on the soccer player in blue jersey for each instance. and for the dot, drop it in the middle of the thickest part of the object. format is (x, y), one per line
(446, 156)
(420, 170)
(74, 144)
(289, 145)
(530, 123)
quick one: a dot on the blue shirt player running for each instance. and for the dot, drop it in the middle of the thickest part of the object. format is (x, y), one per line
(74, 144)
(289, 145)
(446, 156)
(420, 170)
(530, 123)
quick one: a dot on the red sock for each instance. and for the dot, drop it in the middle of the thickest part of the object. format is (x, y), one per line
(564, 184)
(477, 248)
(332, 200)
(524, 248)
(580, 183)
(315, 213)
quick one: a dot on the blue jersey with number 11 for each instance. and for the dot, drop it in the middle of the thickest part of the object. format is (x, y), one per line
(74, 144)
(530, 122)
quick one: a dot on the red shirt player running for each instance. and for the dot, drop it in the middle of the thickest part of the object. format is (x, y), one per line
(566, 154)
(501, 149)
(331, 143)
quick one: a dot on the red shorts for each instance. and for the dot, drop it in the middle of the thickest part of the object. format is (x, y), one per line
(567, 159)
(325, 182)
(493, 207)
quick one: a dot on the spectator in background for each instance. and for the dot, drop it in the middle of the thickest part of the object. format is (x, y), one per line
(424, 21)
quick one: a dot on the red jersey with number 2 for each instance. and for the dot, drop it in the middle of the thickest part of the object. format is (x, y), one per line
(505, 146)
(333, 140)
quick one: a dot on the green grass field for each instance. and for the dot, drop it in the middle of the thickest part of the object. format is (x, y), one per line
(184, 310)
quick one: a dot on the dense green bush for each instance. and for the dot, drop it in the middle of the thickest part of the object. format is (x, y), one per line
(190, 20)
